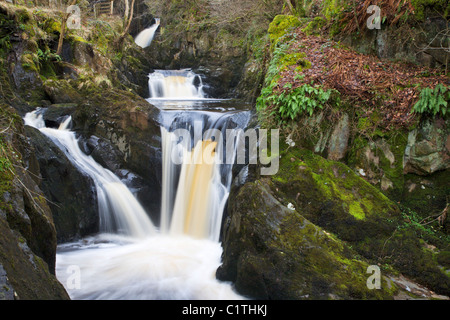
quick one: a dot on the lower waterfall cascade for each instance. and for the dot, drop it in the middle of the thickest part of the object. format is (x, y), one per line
(131, 258)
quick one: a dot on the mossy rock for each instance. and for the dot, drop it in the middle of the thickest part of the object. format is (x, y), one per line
(332, 196)
(272, 252)
(280, 25)
(27, 232)
(421, 7)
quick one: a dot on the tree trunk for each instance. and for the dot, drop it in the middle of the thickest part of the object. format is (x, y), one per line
(129, 19)
(62, 33)
(127, 11)
(291, 7)
(118, 42)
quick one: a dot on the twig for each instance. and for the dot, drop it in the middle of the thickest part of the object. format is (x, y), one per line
(9, 126)
(30, 192)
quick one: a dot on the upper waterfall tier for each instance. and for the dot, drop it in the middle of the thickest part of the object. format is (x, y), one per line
(175, 84)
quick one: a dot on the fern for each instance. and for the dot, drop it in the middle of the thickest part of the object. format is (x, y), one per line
(290, 104)
(304, 99)
(433, 101)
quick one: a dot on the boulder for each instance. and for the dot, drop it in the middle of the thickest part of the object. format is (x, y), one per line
(350, 220)
(272, 252)
(428, 148)
(129, 127)
(71, 194)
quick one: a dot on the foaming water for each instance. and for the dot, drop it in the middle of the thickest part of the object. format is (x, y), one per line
(159, 267)
(119, 210)
(175, 85)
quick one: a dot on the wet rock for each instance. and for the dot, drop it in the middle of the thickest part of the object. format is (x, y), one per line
(6, 290)
(338, 142)
(426, 151)
(322, 196)
(128, 126)
(27, 231)
(61, 92)
(23, 274)
(71, 194)
(273, 252)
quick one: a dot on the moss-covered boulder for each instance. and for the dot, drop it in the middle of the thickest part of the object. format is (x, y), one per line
(273, 252)
(361, 224)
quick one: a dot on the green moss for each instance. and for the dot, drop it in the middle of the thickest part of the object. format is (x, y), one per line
(421, 7)
(356, 211)
(22, 15)
(309, 262)
(30, 62)
(294, 59)
(7, 156)
(280, 25)
(332, 8)
(51, 26)
(315, 25)
(333, 197)
(443, 258)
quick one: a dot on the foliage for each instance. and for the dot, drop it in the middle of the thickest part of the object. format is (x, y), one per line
(7, 27)
(433, 101)
(5, 162)
(306, 99)
(436, 6)
(47, 56)
(412, 220)
(315, 25)
(287, 103)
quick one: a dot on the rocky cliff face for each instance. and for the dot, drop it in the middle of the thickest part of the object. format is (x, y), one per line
(218, 39)
(27, 231)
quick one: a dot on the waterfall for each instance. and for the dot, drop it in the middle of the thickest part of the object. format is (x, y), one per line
(119, 210)
(175, 85)
(190, 207)
(145, 37)
(195, 187)
(179, 258)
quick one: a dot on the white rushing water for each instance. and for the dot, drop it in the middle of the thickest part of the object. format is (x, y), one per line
(159, 267)
(194, 203)
(145, 37)
(119, 210)
(133, 259)
(175, 85)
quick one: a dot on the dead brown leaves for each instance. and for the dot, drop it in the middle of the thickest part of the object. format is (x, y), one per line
(393, 11)
(364, 81)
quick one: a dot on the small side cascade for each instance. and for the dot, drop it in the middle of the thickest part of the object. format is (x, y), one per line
(119, 210)
(145, 37)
